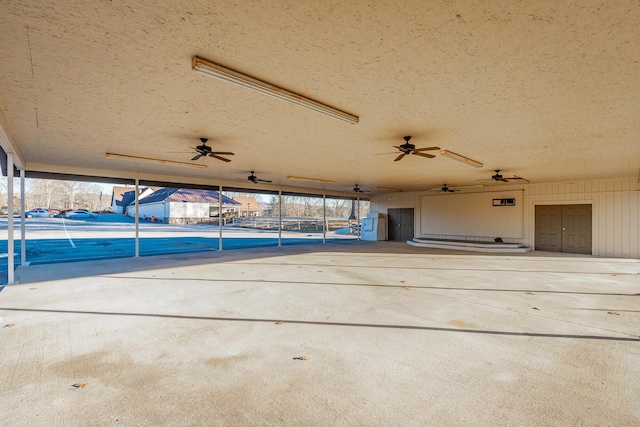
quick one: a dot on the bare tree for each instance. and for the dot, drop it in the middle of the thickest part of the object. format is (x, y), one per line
(44, 193)
(4, 193)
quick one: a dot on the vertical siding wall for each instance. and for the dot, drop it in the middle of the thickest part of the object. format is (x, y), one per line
(616, 210)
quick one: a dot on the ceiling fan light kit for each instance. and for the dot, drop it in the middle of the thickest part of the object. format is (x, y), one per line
(409, 148)
(151, 160)
(204, 150)
(461, 158)
(232, 76)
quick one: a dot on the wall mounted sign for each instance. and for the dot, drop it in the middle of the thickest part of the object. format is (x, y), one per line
(504, 202)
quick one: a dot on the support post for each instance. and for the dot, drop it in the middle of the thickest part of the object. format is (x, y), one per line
(10, 247)
(358, 219)
(137, 222)
(220, 217)
(324, 218)
(279, 217)
(23, 225)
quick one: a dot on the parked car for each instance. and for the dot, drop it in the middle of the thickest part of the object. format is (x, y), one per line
(39, 213)
(79, 213)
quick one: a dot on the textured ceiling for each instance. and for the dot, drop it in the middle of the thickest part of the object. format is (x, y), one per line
(549, 91)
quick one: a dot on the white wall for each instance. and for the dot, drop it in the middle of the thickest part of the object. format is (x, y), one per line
(115, 208)
(147, 210)
(188, 210)
(616, 210)
(472, 214)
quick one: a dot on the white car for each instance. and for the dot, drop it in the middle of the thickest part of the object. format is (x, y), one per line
(39, 213)
(79, 213)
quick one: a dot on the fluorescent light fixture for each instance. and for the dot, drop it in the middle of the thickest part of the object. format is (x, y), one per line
(300, 178)
(150, 160)
(396, 190)
(461, 158)
(215, 70)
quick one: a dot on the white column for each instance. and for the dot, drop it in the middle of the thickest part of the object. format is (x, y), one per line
(279, 217)
(23, 225)
(358, 218)
(137, 252)
(324, 218)
(220, 217)
(10, 248)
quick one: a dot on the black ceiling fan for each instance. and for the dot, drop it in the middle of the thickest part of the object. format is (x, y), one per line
(498, 177)
(408, 148)
(204, 150)
(255, 179)
(444, 189)
(357, 189)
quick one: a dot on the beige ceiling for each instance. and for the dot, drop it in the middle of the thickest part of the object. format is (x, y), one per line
(549, 91)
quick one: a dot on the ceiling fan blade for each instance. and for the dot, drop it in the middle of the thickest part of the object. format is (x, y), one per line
(517, 178)
(263, 180)
(224, 153)
(197, 157)
(401, 148)
(427, 149)
(399, 157)
(430, 156)
(220, 158)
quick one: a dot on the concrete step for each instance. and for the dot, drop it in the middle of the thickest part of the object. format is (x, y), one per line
(474, 246)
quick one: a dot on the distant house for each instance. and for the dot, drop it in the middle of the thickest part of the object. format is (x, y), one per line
(182, 205)
(249, 206)
(124, 196)
(116, 199)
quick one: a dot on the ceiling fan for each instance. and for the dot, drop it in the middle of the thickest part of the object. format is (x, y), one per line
(204, 150)
(498, 177)
(446, 189)
(408, 148)
(255, 179)
(357, 189)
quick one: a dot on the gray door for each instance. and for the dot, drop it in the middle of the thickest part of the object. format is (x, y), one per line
(400, 224)
(549, 228)
(576, 229)
(563, 228)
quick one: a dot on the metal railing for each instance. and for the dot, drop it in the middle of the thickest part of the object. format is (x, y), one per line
(299, 224)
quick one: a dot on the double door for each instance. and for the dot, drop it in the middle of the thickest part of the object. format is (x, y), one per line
(563, 228)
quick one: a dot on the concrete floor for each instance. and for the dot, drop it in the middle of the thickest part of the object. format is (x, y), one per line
(392, 335)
